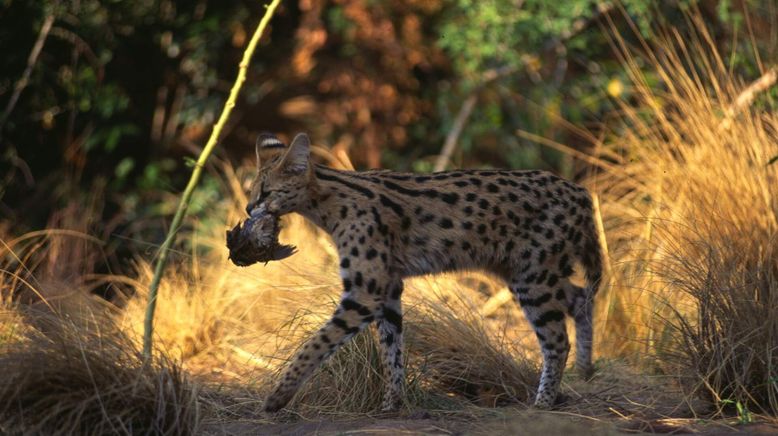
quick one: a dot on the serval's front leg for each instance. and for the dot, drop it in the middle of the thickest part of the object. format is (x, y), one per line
(390, 330)
(356, 310)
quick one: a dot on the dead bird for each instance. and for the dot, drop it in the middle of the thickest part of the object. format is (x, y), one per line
(256, 240)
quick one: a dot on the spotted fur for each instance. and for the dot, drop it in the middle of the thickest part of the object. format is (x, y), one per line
(528, 227)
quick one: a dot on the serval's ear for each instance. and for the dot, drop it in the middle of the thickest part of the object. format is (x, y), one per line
(296, 158)
(268, 147)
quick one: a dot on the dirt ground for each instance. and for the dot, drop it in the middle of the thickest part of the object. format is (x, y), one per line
(512, 422)
(615, 402)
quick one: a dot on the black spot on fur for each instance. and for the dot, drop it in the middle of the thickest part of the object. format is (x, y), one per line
(397, 291)
(426, 219)
(393, 317)
(349, 304)
(344, 326)
(450, 198)
(396, 208)
(534, 302)
(550, 316)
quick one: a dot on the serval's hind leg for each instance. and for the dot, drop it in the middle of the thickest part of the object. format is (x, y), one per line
(390, 331)
(580, 307)
(546, 314)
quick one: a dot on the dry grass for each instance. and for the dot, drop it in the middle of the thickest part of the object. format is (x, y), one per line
(453, 359)
(692, 219)
(66, 368)
(74, 381)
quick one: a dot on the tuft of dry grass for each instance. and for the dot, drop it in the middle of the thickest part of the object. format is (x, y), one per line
(73, 381)
(457, 352)
(66, 368)
(727, 346)
(691, 217)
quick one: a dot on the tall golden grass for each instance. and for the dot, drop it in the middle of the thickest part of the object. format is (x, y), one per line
(67, 368)
(691, 215)
(93, 382)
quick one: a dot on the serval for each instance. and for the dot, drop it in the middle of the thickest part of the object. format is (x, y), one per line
(527, 227)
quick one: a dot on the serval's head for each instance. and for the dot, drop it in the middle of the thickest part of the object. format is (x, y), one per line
(284, 174)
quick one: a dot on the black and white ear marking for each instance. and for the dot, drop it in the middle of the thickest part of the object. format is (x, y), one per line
(296, 158)
(266, 141)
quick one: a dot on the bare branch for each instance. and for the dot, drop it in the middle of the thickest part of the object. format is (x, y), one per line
(31, 61)
(453, 135)
(748, 95)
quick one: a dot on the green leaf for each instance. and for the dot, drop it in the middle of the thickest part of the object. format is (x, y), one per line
(124, 167)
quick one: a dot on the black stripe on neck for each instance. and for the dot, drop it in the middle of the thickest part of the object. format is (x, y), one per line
(333, 178)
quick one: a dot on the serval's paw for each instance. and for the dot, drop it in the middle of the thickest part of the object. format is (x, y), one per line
(276, 401)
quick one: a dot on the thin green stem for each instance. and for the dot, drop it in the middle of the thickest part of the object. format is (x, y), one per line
(183, 205)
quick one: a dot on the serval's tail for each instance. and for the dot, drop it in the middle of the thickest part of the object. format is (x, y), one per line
(583, 307)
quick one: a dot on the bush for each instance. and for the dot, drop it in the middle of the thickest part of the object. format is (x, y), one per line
(692, 216)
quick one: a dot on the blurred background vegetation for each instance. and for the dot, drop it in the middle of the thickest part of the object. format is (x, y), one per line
(102, 103)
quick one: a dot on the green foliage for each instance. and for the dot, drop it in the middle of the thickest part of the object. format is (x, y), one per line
(563, 62)
(743, 414)
(106, 70)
